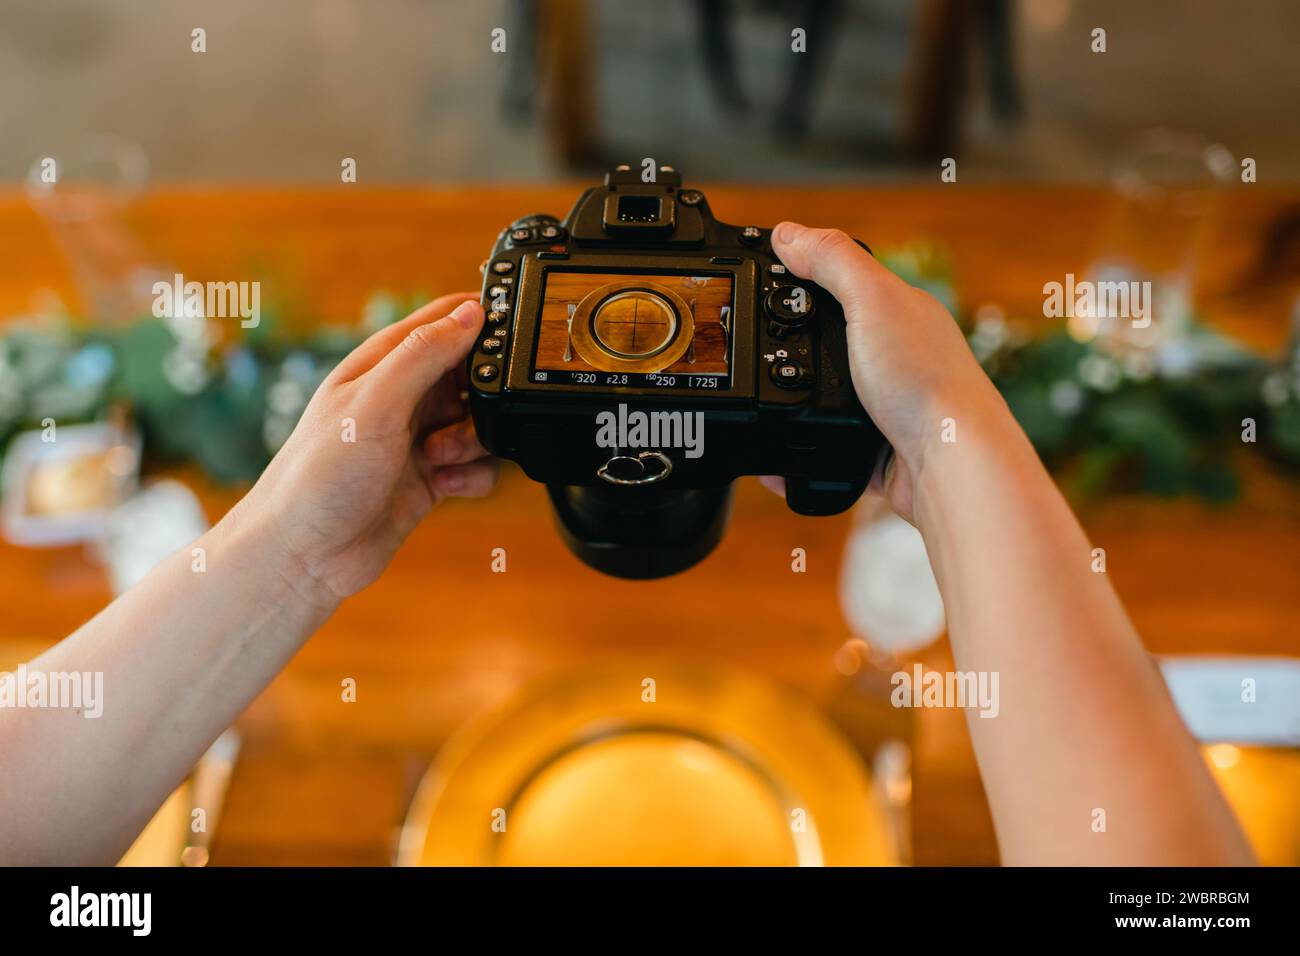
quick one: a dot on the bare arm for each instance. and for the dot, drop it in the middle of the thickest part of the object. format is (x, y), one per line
(184, 652)
(1085, 722)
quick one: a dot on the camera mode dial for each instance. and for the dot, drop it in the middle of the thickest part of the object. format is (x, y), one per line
(788, 308)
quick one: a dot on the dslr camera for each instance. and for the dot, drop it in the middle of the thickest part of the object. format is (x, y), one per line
(639, 355)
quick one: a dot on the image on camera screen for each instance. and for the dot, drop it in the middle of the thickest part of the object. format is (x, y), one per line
(669, 330)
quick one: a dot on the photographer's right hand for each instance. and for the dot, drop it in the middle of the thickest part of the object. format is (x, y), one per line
(911, 366)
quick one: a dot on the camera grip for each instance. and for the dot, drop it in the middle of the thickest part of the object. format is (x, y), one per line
(815, 496)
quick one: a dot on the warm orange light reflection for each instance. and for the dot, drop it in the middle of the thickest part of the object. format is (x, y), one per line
(721, 767)
(651, 798)
(850, 656)
(1263, 787)
(1223, 756)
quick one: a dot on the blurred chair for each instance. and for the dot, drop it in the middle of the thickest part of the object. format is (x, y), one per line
(558, 49)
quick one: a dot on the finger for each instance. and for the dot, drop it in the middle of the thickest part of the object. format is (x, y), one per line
(831, 259)
(472, 480)
(454, 445)
(773, 483)
(424, 355)
(442, 405)
(366, 355)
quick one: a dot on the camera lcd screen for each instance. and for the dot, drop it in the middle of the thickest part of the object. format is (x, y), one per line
(670, 330)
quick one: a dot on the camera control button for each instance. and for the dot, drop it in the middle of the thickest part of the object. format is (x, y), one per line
(551, 233)
(520, 235)
(535, 219)
(789, 304)
(492, 345)
(788, 374)
(690, 197)
(751, 235)
(487, 372)
(496, 316)
(776, 269)
(503, 267)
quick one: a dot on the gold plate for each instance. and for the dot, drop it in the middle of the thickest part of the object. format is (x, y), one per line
(602, 355)
(721, 769)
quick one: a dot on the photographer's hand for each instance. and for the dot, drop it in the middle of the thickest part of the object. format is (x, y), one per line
(384, 439)
(1085, 723)
(188, 648)
(910, 363)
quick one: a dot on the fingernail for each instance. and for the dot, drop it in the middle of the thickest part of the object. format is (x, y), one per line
(467, 314)
(787, 232)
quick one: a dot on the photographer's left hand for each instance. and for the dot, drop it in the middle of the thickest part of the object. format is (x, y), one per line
(384, 439)
(182, 653)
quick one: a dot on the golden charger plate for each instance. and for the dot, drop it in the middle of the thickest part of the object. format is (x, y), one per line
(721, 769)
(164, 838)
(669, 327)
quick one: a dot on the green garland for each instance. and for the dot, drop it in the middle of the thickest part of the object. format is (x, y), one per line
(1105, 415)
(1101, 419)
(228, 410)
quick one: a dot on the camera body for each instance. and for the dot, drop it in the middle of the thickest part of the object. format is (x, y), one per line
(639, 356)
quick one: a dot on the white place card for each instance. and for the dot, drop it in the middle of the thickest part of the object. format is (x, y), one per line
(1248, 700)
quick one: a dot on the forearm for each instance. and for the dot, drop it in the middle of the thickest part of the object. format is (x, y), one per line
(182, 654)
(1085, 723)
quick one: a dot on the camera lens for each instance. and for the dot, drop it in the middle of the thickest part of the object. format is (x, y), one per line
(648, 532)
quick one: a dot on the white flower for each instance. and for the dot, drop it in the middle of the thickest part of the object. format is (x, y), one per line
(990, 333)
(1099, 372)
(186, 369)
(1274, 391)
(1177, 358)
(285, 398)
(1066, 397)
(275, 431)
(1139, 366)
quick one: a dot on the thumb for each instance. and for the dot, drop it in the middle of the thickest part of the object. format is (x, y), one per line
(424, 356)
(831, 259)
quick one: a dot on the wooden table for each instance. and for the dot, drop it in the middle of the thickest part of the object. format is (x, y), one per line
(324, 782)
